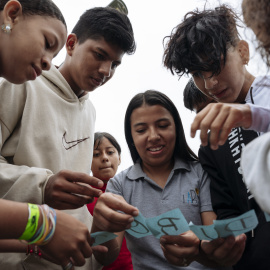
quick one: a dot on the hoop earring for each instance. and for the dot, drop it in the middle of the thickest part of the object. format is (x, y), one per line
(6, 28)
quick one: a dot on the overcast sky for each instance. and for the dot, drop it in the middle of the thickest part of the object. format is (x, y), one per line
(152, 20)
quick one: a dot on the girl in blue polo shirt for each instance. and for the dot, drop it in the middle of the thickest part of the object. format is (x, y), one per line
(165, 175)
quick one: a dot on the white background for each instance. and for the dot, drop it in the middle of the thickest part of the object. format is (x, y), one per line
(152, 20)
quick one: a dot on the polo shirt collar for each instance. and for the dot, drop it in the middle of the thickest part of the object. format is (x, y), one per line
(136, 171)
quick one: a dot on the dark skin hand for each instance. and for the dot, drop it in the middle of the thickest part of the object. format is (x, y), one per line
(183, 249)
(71, 190)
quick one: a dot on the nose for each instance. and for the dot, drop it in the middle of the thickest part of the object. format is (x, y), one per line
(105, 68)
(104, 158)
(153, 135)
(210, 82)
(46, 62)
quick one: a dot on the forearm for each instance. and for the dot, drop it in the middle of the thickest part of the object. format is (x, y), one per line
(14, 218)
(11, 245)
(260, 118)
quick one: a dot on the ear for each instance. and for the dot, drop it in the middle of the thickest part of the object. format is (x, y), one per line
(11, 12)
(119, 160)
(243, 50)
(71, 43)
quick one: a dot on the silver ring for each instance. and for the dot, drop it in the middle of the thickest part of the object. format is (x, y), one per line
(185, 262)
(68, 266)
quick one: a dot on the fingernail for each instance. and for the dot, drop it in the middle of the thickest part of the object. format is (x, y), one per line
(100, 184)
(162, 240)
(131, 219)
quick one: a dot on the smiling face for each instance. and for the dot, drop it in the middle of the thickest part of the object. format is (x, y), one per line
(30, 47)
(90, 64)
(154, 135)
(106, 160)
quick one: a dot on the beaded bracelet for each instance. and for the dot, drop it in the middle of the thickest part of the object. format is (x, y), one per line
(33, 250)
(32, 223)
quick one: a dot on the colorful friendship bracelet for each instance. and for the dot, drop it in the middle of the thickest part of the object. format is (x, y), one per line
(46, 231)
(32, 223)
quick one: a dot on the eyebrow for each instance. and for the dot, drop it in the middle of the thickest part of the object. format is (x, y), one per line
(107, 55)
(159, 120)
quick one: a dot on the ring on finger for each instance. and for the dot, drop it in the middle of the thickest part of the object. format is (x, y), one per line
(68, 266)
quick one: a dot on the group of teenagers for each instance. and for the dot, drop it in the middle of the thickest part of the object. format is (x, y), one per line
(58, 177)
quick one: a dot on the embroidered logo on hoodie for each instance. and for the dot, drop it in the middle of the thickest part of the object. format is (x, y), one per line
(67, 145)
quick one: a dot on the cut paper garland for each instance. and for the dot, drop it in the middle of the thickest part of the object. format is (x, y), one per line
(174, 223)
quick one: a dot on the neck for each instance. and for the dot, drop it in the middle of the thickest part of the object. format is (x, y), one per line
(65, 71)
(159, 173)
(249, 79)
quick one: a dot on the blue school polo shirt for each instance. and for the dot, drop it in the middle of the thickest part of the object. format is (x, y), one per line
(187, 188)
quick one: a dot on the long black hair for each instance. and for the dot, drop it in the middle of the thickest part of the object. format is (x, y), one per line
(151, 98)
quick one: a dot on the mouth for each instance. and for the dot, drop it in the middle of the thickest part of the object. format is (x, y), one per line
(155, 149)
(98, 81)
(104, 168)
(37, 70)
(219, 94)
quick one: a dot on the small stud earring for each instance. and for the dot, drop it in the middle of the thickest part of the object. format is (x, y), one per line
(246, 63)
(6, 28)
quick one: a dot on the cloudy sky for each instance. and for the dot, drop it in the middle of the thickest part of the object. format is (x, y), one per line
(152, 20)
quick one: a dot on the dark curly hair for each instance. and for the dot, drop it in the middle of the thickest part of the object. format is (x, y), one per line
(256, 15)
(108, 23)
(201, 41)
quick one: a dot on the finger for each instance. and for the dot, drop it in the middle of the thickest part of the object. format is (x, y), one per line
(175, 259)
(197, 121)
(185, 239)
(118, 203)
(213, 121)
(232, 121)
(224, 250)
(209, 247)
(112, 221)
(84, 178)
(66, 264)
(86, 248)
(100, 248)
(78, 258)
(63, 200)
(187, 252)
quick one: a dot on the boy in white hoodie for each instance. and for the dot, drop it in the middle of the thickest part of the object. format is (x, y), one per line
(47, 126)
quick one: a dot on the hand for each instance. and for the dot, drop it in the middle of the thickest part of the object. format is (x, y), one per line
(220, 118)
(64, 191)
(71, 242)
(225, 252)
(180, 249)
(106, 217)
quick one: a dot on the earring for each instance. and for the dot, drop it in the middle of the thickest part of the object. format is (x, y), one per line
(6, 28)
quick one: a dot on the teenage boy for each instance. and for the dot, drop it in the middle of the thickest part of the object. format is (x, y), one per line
(207, 45)
(47, 126)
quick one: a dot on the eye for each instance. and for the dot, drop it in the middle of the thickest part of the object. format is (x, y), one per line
(197, 75)
(99, 56)
(47, 43)
(110, 152)
(141, 130)
(96, 155)
(115, 65)
(163, 126)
